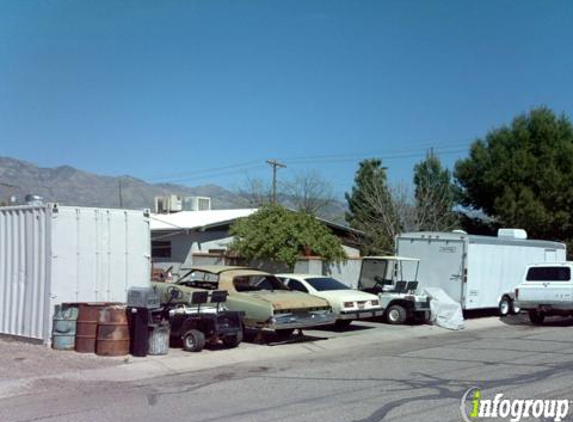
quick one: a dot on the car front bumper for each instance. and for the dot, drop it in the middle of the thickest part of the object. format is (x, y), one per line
(289, 321)
(360, 314)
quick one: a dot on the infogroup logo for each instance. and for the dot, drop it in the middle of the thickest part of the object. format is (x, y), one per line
(475, 407)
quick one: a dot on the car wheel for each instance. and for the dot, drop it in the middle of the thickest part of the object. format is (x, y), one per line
(396, 314)
(284, 334)
(515, 309)
(233, 340)
(193, 341)
(536, 317)
(342, 324)
(504, 306)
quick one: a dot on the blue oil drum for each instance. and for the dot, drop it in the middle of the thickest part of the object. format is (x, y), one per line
(64, 328)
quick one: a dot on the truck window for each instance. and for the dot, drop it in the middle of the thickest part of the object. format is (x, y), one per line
(549, 274)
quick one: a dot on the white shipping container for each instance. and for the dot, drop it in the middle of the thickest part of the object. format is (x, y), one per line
(51, 254)
(475, 271)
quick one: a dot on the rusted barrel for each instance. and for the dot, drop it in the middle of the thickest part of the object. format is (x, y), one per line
(64, 330)
(113, 332)
(86, 329)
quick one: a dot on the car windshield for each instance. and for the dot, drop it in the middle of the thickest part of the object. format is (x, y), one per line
(199, 279)
(326, 283)
(253, 283)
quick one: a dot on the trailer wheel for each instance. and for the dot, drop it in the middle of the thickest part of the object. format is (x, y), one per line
(504, 306)
(396, 314)
(193, 341)
(536, 317)
(233, 340)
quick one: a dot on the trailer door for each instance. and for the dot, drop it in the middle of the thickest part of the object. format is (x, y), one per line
(441, 262)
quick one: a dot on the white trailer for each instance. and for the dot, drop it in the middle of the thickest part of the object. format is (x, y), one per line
(51, 254)
(479, 272)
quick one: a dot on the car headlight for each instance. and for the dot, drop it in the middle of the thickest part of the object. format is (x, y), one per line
(375, 302)
(348, 304)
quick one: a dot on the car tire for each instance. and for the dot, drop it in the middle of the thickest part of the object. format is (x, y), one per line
(396, 314)
(284, 334)
(233, 340)
(504, 306)
(536, 317)
(193, 341)
(342, 324)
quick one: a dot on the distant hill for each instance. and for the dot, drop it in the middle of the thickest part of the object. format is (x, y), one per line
(70, 186)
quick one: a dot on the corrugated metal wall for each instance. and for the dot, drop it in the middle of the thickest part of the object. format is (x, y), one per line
(24, 269)
(50, 255)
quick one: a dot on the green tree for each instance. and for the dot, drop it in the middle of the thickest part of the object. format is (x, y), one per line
(435, 195)
(521, 175)
(371, 208)
(282, 235)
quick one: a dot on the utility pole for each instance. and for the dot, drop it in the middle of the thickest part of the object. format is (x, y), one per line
(275, 164)
(120, 195)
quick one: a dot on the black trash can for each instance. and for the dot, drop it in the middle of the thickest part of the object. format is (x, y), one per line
(138, 331)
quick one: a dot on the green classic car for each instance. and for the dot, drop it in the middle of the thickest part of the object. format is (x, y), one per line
(264, 299)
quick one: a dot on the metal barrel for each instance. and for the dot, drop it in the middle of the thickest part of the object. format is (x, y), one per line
(113, 332)
(158, 339)
(64, 327)
(87, 323)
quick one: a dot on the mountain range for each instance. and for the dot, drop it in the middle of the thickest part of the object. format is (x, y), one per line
(70, 186)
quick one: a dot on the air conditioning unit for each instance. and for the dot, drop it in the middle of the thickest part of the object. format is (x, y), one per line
(168, 204)
(197, 203)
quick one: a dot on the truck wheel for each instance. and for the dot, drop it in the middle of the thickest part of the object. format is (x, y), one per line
(396, 314)
(233, 340)
(515, 309)
(342, 324)
(284, 334)
(193, 341)
(536, 317)
(504, 306)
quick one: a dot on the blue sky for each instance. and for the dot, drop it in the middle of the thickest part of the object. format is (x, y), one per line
(205, 91)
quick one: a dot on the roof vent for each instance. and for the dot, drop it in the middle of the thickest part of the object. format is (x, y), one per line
(512, 234)
(32, 199)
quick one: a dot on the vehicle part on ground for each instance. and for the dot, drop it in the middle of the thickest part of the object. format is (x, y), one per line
(342, 324)
(193, 341)
(536, 317)
(504, 306)
(396, 314)
(284, 334)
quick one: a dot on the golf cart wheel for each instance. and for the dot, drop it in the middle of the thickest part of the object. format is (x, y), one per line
(342, 324)
(396, 314)
(193, 341)
(536, 317)
(515, 309)
(504, 306)
(284, 334)
(233, 340)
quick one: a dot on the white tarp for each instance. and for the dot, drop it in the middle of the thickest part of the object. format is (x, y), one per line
(444, 311)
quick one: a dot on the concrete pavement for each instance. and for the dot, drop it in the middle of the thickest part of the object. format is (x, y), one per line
(32, 363)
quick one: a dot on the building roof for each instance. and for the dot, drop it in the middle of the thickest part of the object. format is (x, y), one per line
(195, 220)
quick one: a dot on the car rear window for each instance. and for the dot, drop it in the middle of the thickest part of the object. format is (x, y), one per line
(549, 274)
(253, 283)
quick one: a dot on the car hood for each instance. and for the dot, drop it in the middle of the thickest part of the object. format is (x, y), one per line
(283, 299)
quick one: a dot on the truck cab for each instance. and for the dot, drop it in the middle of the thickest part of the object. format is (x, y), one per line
(547, 290)
(395, 280)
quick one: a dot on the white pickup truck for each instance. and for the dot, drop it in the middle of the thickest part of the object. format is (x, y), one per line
(546, 290)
